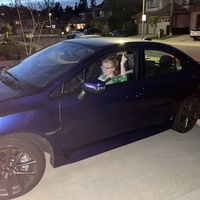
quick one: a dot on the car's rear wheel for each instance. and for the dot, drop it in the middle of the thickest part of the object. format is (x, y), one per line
(22, 165)
(187, 115)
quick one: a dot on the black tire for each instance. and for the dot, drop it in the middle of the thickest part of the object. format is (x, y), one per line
(22, 165)
(187, 115)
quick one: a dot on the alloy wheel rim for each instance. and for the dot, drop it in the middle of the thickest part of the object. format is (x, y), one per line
(189, 114)
(18, 169)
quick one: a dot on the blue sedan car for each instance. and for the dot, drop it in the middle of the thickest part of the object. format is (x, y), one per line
(52, 101)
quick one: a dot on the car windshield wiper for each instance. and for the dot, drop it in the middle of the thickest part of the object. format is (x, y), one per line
(7, 72)
(9, 80)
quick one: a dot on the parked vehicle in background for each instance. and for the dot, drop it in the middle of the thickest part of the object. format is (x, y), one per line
(91, 31)
(195, 33)
(28, 35)
(73, 34)
(87, 36)
(124, 32)
(53, 101)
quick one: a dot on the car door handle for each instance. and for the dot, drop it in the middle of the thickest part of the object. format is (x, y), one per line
(181, 83)
(138, 94)
(135, 94)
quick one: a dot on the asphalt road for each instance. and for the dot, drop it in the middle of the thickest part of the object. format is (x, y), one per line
(161, 167)
(186, 44)
(190, 50)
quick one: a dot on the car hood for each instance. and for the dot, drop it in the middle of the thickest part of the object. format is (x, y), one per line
(7, 92)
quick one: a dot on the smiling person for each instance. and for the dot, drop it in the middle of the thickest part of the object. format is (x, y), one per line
(110, 71)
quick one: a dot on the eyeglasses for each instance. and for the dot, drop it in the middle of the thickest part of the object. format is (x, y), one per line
(102, 67)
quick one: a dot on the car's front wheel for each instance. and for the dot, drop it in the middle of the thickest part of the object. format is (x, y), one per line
(187, 115)
(22, 165)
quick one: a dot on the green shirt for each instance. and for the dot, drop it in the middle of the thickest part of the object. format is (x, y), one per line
(115, 79)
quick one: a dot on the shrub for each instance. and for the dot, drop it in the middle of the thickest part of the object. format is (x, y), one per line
(12, 51)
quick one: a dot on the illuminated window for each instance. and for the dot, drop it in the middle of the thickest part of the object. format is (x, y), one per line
(152, 3)
(98, 14)
(187, 2)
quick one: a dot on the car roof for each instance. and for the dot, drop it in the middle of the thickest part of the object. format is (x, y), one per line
(105, 41)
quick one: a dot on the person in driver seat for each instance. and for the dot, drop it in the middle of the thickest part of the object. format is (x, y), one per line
(110, 70)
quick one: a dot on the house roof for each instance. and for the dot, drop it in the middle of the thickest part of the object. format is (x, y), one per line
(87, 11)
(101, 6)
(164, 12)
(75, 20)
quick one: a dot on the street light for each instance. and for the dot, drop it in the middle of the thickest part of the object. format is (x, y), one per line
(143, 18)
(50, 22)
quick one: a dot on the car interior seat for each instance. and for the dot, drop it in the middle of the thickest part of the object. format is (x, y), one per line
(150, 68)
(165, 65)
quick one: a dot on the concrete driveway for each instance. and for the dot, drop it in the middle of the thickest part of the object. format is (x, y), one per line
(163, 167)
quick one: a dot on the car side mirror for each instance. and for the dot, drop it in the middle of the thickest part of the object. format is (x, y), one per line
(91, 86)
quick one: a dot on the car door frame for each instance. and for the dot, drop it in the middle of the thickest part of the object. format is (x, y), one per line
(71, 136)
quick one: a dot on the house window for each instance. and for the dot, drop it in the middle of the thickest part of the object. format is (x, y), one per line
(152, 3)
(98, 14)
(187, 2)
(83, 17)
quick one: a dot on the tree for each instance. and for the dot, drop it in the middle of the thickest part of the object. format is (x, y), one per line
(153, 23)
(57, 10)
(29, 46)
(81, 7)
(96, 24)
(6, 29)
(113, 23)
(46, 5)
(93, 3)
(123, 10)
(69, 9)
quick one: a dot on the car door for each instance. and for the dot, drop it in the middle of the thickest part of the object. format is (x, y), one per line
(165, 83)
(100, 116)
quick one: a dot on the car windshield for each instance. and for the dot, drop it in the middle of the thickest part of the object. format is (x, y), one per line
(44, 66)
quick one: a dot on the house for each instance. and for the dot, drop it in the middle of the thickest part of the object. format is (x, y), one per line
(100, 11)
(8, 16)
(195, 15)
(76, 23)
(177, 14)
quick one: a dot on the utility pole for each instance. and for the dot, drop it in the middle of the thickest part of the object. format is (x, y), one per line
(172, 17)
(50, 23)
(143, 18)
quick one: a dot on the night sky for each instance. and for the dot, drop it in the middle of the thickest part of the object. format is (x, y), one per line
(64, 3)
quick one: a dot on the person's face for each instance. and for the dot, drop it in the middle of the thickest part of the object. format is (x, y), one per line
(107, 69)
